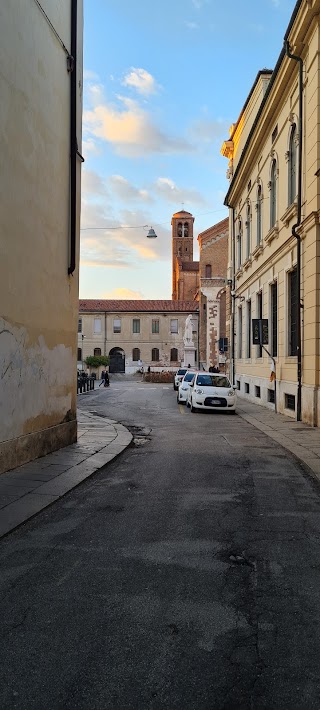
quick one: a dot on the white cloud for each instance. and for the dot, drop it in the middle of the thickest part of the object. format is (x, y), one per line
(141, 80)
(130, 129)
(208, 130)
(168, 190)
(126, 191)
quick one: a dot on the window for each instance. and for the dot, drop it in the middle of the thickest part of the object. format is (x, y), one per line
(97, 352)
(247, 388)
(259, 215)
(249, 186)
(239, 245)
(238, 383)
(155, 355)
(290, 401)
(273, 194)
(136, 325)
(155, 326)
(186, 229)
(208, 271)
(240, 333)
(292, 313)
(274, 319)
(97, 325)
(292, 163)
(257, 391)
(259, 315)
(136, 354)
(117, 325)
(173, 355)
(174, 325)
(271, 396)
(79, 325)
(79, 354)
(249, 329)
(248, 231)
(179, 229)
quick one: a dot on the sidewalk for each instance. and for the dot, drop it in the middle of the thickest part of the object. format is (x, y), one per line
(26, 490)
(300, 439)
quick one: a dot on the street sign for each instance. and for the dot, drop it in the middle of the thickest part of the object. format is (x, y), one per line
(223, 345)
(260, 334)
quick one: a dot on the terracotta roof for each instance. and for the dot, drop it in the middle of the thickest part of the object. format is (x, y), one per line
(182, 213)
(190, 266)
(95, 305)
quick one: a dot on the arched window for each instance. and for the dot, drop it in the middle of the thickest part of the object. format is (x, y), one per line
(292, 182)
(248, 231)
(186, 229)
(179, 229)
(273, 194)
(173, 355)
(135, 354)
(155, 355)
(239, 244)
(208, 271)
(97, 352)
(259, 215)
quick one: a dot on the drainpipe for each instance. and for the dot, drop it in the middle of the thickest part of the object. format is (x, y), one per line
(294, 228)
(105, 332)
(232, 290)
(72, 68)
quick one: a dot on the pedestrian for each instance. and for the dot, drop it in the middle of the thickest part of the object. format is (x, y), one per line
(102, 377)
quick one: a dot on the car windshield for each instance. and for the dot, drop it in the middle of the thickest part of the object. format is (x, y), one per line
(181, 372)
(188, 377)
(213, 381)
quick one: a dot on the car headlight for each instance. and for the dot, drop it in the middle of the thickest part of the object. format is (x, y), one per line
(231, 393)
(198, 391)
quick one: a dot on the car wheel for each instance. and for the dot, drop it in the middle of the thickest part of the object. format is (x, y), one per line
(187, 403)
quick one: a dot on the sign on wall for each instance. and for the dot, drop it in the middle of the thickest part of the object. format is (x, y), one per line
(260, 331)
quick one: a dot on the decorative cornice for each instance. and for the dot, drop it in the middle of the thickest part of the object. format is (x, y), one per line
(247, 263)
(258, 250)
(272, 234)
(290, 212)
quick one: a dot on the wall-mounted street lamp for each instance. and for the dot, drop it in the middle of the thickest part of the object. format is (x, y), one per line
(151, 234)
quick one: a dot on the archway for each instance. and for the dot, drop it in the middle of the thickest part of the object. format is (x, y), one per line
(117, 360)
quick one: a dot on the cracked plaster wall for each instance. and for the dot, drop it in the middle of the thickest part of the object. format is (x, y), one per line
(36, 382)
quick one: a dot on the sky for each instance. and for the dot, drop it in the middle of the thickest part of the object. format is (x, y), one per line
(163, 82)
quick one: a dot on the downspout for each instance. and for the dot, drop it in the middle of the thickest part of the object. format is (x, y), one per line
(294, 228)
(105, 332)
(72, 68)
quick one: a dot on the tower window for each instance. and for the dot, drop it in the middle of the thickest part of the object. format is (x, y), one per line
(208, 271)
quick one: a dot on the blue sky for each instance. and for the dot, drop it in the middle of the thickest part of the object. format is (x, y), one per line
(162, 84)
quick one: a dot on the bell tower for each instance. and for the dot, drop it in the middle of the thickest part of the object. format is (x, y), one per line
(182, 246)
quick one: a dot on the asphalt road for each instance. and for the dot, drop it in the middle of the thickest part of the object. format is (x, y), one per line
(185, 575)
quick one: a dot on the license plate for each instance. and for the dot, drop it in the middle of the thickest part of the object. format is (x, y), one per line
(215, 401)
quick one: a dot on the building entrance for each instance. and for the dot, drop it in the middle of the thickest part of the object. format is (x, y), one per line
(117, 360)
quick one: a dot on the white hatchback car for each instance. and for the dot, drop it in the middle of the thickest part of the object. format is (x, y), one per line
(179, 377)
(211, 391)
(184, 387)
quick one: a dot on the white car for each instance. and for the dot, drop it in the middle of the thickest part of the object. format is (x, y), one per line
(211, 391)
(184, 387)
(179, 377)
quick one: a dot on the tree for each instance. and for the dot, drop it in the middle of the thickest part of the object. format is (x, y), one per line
(97, 360)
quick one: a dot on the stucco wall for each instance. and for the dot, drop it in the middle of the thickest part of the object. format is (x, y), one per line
(39, 301)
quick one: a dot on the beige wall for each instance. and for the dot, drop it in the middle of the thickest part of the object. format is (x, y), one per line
(272, 260)
(127, 340)
(39, 301)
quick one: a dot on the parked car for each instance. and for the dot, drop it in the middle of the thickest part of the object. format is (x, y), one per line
(211, 391)
(179, 377)
(184, 387)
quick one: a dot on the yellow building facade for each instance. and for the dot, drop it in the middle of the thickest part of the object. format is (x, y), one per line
(274, 236)
(40, 134)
